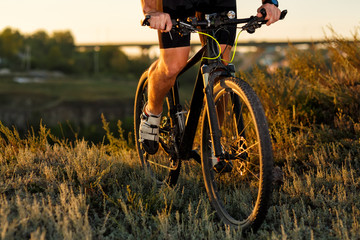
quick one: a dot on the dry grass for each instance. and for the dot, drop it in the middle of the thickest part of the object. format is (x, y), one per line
(56, 189)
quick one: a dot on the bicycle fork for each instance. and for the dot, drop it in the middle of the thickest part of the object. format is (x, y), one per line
(211, 112)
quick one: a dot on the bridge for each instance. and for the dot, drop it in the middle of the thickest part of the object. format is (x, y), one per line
(151, 49)
(241, 44)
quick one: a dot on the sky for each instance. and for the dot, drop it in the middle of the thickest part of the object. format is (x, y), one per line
(118, 21)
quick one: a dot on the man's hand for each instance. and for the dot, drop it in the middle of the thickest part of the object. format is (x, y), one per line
(272, 13)
(160, 21)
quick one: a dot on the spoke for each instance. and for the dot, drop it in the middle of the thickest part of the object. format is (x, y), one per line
(245, 161)
(245, 127)
(256, 165)
(252, 173)
(238, 120)
(230, 128)
(247, 170)
(248, 148)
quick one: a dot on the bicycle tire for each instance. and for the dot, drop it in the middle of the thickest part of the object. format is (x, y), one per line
(163, 167)
(241, 197)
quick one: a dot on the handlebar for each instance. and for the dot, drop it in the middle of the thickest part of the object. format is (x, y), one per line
(214, 21)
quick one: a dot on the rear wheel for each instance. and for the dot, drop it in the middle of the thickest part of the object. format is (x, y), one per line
(164, 165)
(240, 197)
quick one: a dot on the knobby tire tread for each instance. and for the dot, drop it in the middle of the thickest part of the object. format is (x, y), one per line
(265, 191)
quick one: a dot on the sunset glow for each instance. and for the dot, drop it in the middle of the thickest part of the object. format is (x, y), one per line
(116, 21)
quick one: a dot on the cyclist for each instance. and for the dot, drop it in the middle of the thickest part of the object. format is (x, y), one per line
(174, 52)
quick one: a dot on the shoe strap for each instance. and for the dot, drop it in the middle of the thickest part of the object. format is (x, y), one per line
(152, 119)
(149, 136)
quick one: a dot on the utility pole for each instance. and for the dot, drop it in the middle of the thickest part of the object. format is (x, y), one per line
(28, 57)
(96, 59)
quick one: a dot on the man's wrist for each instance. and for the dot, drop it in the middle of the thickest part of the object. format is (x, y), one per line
(148, 11)
(275, 2)
(149, 6)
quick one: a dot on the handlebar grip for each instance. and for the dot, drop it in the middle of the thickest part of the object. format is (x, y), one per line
(263, 12)
(283, 14)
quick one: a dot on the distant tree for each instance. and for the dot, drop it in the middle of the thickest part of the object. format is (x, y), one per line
(61, 52)
(56, 60)
(84, 62)
(139, 64)
(54, 52)
(39, 47)
(11, 47)
(119, 62)
(58, 52)
(65, 41)
(113, 60)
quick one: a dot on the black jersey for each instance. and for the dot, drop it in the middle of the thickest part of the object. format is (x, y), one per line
(199, 4)
(185, 8)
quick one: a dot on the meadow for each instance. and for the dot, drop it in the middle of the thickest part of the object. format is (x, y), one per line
(56, 188)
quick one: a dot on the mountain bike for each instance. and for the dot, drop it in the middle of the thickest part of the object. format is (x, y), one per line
(234, 129)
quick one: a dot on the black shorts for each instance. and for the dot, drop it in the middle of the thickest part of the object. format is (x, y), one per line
(186, 8)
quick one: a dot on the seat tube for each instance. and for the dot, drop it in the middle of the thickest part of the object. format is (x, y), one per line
(211, 112)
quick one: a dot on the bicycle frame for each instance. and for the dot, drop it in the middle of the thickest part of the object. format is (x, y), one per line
(243, 153)
(201, 89)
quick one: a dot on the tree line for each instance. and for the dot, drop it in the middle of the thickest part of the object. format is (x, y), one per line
(58, 52)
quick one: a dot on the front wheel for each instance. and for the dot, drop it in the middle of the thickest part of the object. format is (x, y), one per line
(240, 197)
(164, 166)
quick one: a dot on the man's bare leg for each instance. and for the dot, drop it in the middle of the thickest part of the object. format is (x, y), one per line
(163, 73)
(226, 50)
(162, 76)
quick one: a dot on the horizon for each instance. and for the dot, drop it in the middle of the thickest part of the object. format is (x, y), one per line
(107, 22)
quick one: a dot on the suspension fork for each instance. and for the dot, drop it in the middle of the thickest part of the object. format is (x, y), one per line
(215, 131)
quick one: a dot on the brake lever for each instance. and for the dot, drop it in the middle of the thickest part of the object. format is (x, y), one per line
(145, 22)
(256, 22)
(253, 24)
(183, 28)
